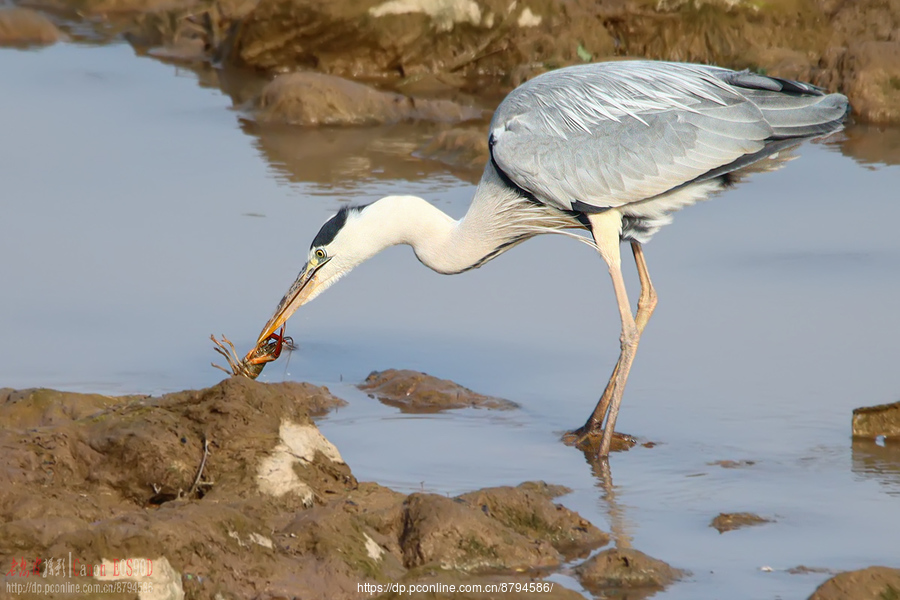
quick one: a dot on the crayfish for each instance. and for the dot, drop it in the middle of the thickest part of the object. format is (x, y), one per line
(252, 364)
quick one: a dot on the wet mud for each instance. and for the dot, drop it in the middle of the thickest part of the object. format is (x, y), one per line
(414, 392)
(731, 521)
(877, 583)
(628, 573)
(877, 421)
(487, 47)
(232, 491)
(308, 98)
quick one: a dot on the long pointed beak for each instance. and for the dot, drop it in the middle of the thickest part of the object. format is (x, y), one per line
(298, 294)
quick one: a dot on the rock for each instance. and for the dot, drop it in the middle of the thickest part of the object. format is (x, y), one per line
(23, 27)
(621, 570)
(451, 534)
(874, 421)
(528, 510)
(730, 521)
(415, 392)
(317, 99)
(874, 583)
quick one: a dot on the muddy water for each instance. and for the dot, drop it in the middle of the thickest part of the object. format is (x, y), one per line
(141, 214)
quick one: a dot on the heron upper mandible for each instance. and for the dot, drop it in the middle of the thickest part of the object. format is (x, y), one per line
(613, 148)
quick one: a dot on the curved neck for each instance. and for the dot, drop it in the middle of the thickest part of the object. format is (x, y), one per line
(440, 242)
(498, 218)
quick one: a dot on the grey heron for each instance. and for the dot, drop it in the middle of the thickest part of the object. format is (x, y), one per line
(612, 148)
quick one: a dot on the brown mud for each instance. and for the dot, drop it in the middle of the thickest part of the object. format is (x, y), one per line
(874, 583)
(624, 572)
(487, 47)
(877, 421)
(730, 521)
(414, 392)
(233, 492)
(308, 98)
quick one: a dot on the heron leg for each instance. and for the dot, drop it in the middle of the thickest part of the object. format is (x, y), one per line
(645, 307)
(606, 227)
(648, 299)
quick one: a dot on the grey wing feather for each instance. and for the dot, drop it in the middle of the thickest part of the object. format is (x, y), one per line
(609, 134)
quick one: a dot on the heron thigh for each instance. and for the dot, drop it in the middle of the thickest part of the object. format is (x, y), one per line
(606, 227)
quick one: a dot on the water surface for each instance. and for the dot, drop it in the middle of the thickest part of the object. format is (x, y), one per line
(143, 213)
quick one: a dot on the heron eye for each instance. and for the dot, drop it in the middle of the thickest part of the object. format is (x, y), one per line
(320, 254)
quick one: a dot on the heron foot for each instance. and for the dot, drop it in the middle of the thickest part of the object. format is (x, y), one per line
(588, 440)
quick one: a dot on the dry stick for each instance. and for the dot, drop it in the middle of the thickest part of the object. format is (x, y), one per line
(202, 466)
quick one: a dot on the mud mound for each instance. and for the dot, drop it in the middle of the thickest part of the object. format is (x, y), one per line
(874, 421)
(874, 583)
(233, 492)
(528, 510)
(318, 99)
(730, 521)
(125, 482)
(626, 572)
(414, 392)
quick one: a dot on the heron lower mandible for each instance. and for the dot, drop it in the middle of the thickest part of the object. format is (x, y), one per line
(613, 148)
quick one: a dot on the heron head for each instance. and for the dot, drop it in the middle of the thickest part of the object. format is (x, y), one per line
(340, 245)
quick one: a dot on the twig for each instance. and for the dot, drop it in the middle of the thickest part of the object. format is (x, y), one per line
(202, 466)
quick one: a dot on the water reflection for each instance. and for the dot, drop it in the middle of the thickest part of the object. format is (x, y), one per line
(620, 527)
(338, 158)
(869, 145)
(881, 463)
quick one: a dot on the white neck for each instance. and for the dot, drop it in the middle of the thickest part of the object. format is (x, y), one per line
(498, 219)
(439, 241)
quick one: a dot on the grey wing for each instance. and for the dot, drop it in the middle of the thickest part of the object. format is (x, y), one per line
(606, 135)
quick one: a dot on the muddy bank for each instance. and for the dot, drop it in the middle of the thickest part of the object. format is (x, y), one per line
(233, 491)
(490, 46)
(487, 47)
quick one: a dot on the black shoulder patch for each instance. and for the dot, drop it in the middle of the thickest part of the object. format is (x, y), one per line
(588, 209)
(331, 227)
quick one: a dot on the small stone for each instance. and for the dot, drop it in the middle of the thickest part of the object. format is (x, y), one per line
(414, 392)
(731, 521)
